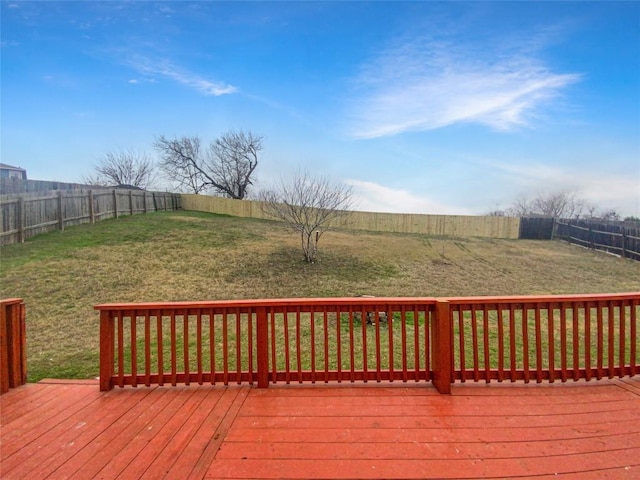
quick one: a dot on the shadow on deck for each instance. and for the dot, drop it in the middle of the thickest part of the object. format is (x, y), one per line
(68, 429)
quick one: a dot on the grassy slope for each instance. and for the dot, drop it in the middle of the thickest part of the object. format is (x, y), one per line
(196, 256)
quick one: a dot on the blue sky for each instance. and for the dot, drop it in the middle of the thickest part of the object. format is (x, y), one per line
(425, 107)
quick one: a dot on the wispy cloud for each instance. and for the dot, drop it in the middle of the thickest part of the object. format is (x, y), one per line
(602, 188)
(425, 83)
(373, 197)
(166, 69)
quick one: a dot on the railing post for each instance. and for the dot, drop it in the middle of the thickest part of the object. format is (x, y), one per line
(262, 349)
(441, 348)
(13, 361)
(107, 338)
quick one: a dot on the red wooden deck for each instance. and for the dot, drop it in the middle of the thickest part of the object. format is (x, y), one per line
(569, 431)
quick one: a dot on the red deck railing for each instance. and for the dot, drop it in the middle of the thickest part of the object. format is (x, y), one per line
(13, 359)
(369, 340)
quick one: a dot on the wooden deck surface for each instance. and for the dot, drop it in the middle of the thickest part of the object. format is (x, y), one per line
(567, 431)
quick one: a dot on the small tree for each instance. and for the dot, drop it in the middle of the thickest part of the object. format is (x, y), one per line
(124, 168)
(227, 166)
(309, 205)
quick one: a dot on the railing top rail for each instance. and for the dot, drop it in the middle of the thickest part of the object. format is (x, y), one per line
(272, 302)
(10, 301)
(593, 297)
(369, 301)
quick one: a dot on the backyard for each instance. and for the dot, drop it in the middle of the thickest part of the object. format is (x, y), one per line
(175, 256)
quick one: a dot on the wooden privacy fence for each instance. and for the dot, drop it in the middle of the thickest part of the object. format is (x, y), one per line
(13, 358)
(622, 240)
(442, 340)
(450, 225)
(26, 215)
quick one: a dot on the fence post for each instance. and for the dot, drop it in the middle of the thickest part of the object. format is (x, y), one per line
(131, 201)
(624, 242)
(262, 350)
(92, 213)
(60, 211)
(115, 203)
(21, 220)
(441, 354)
(107, 338)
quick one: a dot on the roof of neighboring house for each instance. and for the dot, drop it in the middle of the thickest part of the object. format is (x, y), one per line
(11, 167)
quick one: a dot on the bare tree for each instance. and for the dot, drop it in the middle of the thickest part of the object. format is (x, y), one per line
(309, 205)
(124, 168)
(226, 166)
(556, 205)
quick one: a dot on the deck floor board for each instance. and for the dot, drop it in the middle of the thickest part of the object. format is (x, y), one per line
(575, 430)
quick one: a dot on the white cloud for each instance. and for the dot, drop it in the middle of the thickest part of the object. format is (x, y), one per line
(164, 68)
(372, 197)
(424, 84)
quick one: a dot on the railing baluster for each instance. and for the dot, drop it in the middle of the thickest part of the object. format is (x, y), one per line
(512, 342)
(563, 342)
(600, 328)
(160, 348)
(174, 348)
(325, 331)
(120, 350)
(463, 363)
(352, 353)
(538, 343)
(287, 370)
(134, 350)
(365, 358)
(250, 345)
(416, 342)
(212, 346)
(500, 343)
(633, 338)
(525, 343)
(376, 317)
(199, 346)
(611, 339)
(225, 347)
(238, 348)
(298, 346)
(551, 346)
(576, 342)
(339, 343)
(185, 346)
(403, 325)
(313, 345)
(389, 315)
(587, 340)
(622, 333)
(475, 344)
(485, 341)
(147, 348)
(428, 344)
